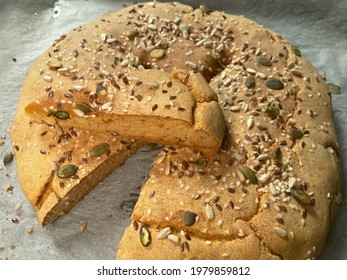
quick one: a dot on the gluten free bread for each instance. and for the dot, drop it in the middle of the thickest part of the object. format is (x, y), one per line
(263, 196)
(178, 109)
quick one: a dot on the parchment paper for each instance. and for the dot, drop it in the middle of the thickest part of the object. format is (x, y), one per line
(318, 28)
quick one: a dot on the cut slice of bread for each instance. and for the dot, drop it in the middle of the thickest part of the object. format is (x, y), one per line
(151, 105)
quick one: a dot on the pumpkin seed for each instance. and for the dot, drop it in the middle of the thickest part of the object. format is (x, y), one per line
(201, 162)
(295, 133)
(272, 112)
(264, 61)
(8, 157)
(274, 84)
(101, 90)
(301, 196)
(296, 50)
(145, 236)
(85, 108)
(277, 154)
(250, 82)
(149, 147)
(189, 218)
(213, 62)
(249, 174)
(132, 34)
(67, 171)
(62, 115)
(157, 53)
(99, 150)
(54, 64)
(334, 89)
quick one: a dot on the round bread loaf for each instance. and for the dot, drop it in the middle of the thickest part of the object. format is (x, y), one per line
(272, 190)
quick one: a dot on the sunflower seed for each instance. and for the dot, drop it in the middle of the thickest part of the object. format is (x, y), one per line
(164, 233)
(209, 212)
(173, 238)
(250, 122)
(48, 78)
(54, 64)
(103, 37)
(111, 40)
(280, 231)
(264, 177)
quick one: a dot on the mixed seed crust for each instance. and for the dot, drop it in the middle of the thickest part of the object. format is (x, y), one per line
(272, 189)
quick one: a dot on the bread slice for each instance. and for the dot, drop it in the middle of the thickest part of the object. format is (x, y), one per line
(42, 149)
(151, 105)
(57, 167)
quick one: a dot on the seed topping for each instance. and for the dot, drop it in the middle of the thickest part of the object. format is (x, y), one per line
(189, 218)
(67, 171)
(145, 236)
(274, 84)
(249, 174)
(99, 150)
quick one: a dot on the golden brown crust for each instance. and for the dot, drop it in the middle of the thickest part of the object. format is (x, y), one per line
(262, 196)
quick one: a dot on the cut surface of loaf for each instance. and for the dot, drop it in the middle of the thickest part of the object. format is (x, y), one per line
(151, 105)
(57, 166)
(262, 196)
